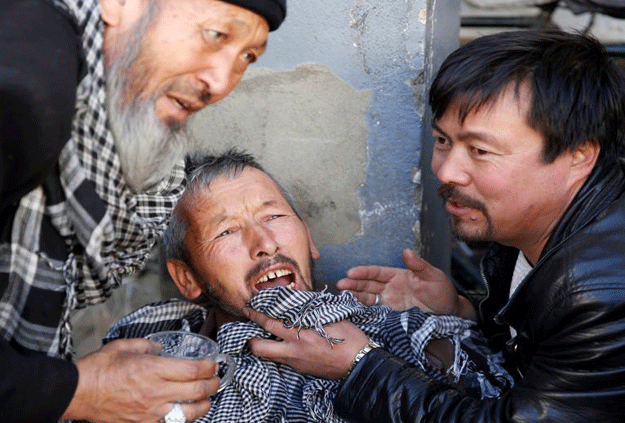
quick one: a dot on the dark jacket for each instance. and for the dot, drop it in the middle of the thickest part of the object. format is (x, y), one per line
(40, 65)
(569, 313)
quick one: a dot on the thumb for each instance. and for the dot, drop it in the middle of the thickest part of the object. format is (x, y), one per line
(413, 262)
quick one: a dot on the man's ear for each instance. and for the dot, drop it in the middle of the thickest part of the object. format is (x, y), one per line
(314, 253)
(184, 278)
(585, 157)
(111, 11)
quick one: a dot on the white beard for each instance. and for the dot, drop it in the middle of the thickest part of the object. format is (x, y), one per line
(147, 148)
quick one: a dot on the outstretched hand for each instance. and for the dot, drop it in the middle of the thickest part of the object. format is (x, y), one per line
(419, 285)
(123, 382)
(308, 352)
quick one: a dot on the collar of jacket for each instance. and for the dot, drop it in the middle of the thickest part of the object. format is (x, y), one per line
(604, 185)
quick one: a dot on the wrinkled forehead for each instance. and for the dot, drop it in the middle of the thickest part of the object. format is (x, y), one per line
(228, 195)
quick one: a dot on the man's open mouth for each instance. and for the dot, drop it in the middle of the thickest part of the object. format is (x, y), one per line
(278, 277)
(187, 104)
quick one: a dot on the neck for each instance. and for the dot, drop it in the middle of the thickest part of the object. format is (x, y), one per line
(222, 317)
(214, 319)
(532, 254)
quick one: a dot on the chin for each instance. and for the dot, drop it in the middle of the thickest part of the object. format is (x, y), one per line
(472, 234)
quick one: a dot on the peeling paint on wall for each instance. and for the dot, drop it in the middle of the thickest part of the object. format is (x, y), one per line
(306, 126)
(395, 45)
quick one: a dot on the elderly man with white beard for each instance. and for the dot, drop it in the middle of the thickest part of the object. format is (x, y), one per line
(94, 96)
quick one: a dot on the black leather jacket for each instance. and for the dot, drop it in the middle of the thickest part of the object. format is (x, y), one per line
(569, 312)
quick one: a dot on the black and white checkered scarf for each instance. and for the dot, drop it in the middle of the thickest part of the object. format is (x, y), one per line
(264, 391)
(86, 210)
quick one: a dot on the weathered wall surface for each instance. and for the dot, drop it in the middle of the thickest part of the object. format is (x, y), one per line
(306, 127)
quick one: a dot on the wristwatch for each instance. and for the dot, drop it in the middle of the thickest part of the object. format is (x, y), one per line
(368, 347)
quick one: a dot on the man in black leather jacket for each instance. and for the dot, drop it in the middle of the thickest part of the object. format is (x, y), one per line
(529, 133)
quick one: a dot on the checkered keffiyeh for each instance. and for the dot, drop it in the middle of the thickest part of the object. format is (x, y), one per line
(86, 211)
(264, 391)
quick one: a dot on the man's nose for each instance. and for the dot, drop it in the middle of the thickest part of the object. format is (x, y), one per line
(452, 167)
(221, 74)
(261, 241)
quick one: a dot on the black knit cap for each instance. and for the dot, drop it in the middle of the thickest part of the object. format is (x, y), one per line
(274, 11)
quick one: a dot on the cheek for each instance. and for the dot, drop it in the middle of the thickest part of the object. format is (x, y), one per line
(215, 263)
(301, 249)
(290, 234)
(495, 187)
(168, 71)
(236, 78)
(508, 194)
(497, 192)
(168, 58)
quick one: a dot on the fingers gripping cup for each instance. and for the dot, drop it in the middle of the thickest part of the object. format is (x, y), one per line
(192, 346)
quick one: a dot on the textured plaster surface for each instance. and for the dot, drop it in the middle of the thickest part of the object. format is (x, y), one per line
(306, 127)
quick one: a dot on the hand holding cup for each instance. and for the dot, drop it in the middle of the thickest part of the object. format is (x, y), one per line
(193, 346)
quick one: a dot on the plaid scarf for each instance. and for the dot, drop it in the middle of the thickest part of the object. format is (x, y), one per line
(77, 234)
(264, 391)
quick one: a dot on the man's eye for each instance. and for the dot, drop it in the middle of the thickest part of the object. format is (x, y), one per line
(440, 142)
(275, 216)
(479, 151)
(224, 233)
(250, 58)
(213, 35)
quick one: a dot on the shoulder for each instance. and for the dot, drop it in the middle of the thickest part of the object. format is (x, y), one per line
(594, 257)
(582, 280)
(38, 40)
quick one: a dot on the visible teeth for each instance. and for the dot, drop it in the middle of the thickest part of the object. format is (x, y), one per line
(183, 105)
(274, 275)
(291, 285)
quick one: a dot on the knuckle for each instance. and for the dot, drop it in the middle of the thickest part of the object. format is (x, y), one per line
(201, 369)
(207, 388)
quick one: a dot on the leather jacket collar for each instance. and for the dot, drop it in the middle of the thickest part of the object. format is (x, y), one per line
(605, 183)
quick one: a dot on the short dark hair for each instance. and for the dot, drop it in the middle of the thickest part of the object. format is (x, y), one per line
(201, 171)
(578, 92)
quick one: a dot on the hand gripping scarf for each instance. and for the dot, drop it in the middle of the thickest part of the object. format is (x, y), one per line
(87, 210)
(264, 391)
